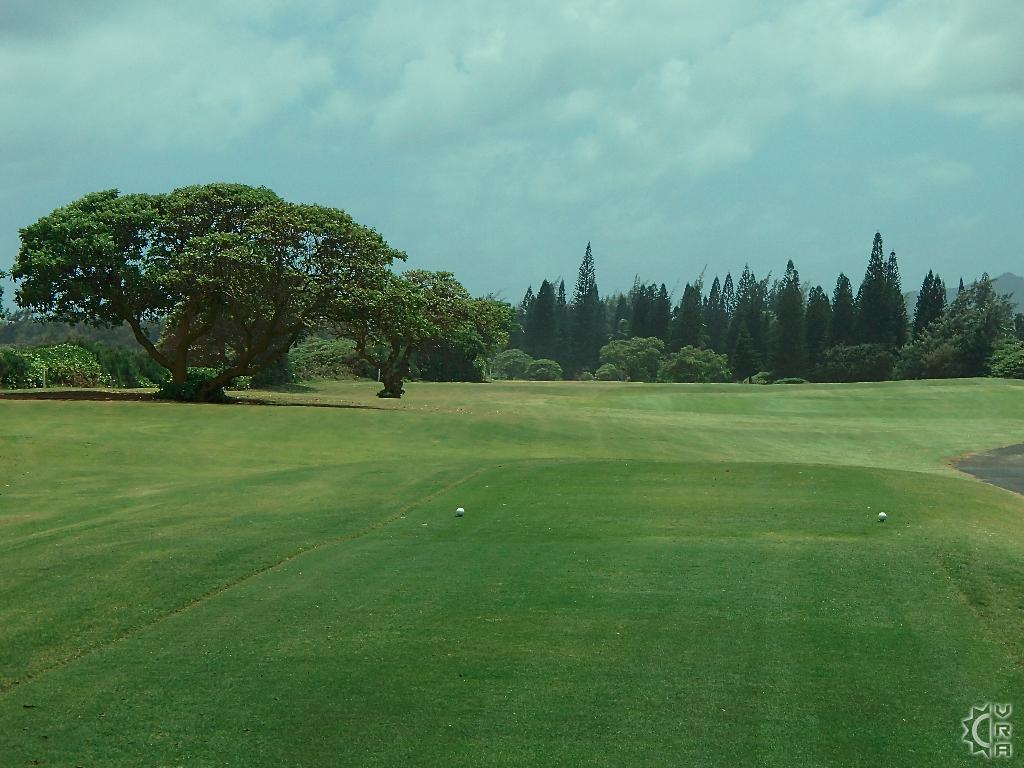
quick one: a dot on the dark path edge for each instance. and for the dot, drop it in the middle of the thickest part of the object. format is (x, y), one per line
(1002, 467)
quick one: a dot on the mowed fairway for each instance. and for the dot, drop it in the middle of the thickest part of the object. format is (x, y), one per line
(646, 575)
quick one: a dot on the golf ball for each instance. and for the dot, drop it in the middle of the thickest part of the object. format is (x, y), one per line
(881, 517)
(460, 512)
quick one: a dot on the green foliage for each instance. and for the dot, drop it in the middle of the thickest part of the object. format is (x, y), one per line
(276, 374)
(881, 310)
(691, 364)
(196, 379)
(963, 339)
(790, 380)
(789, 352)
(931, 303)
(610, 372)
(510, 364)
(818, 324)
(544, 370)
(69, 365)
(761, 377)
(1007, 361)
(234, 273)
(844, 313)
(18, 370)
(124, 367)
(857, 362)
(745, 360)
(320, 358)
(688, 321)
(584, 376)
(639, 357)
(589, 331)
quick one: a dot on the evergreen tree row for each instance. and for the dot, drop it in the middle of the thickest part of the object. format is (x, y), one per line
(781, 326)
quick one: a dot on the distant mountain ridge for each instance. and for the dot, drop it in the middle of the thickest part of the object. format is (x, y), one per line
(1006, 283)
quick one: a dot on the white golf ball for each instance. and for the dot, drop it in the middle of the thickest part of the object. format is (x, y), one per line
(460, 512)
(881, 517)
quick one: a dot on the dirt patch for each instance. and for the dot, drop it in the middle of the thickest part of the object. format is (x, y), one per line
(1003, 467)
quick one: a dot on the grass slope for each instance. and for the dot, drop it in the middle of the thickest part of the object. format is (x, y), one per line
(646, 575)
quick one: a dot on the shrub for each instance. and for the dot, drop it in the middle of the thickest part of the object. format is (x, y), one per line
(858, 362)
(693, 365)
(638, 357)
(1007, 362)
(763, 377)
(544, 370)
(790, 380)
(187, 390)
(510, 364)
(279, 372)
(319, 358)
(69, 365)
(124, 367)
(16, 370)
(584, 376)
(610, 372)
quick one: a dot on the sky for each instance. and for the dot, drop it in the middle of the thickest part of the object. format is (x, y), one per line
(495, 139)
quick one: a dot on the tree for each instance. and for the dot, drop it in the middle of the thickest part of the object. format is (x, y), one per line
(789, 353)
(661, 314)
(716, 317)
(961, 342)
(856, 362)
(639, 357)
(641, 307)
(896, 305)
(688, 320)
(542, 323)
(692, 365)
(544, 370)
(1007, 360)
(750, 312)
(818, 324)
(510, 364)
(234, 274)
(416, 308)
(874, 324)
(843, 313)
(745, 360)
(517, 336)
(931, 303)
(588, 316)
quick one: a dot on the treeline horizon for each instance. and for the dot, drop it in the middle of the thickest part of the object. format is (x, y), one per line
(782, 327)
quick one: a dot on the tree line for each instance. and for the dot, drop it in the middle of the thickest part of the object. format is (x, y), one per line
(776, 329)
(232, 277)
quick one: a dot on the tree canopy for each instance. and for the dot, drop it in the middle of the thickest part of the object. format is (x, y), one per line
(234, 274)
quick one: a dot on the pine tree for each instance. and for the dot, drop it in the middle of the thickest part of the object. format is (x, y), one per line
(688, 320)
(716, 318)
(641, 305)
(874, 322)
(563, 330)
(789, 353)
(661, 314)
(729, 295)
(750, 311)
(620, 321)
(745, 360)
(843, 313)
(589, 333)
(818, 324)
(897, 304)
(541, 324)
(961, 288)
(517, 337)
(931, 303)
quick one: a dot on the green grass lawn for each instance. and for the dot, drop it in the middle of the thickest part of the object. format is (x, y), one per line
(646, 575)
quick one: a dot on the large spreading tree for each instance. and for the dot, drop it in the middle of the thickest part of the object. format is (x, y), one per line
(233, 274)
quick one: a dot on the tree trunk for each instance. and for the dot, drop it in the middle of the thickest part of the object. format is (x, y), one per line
(392, 381)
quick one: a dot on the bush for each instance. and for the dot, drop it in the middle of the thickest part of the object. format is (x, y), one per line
(17, 371)
(693, 365)
(187, 390)
(610, 372)
(328, 359)
(69, 365)
(858, 362)
(584, 376)
(1007, 362)
(277, 373)
(639, 357)
(544, 370)
(124, 367)
(510, 364)
(790, 380)
(763, 377)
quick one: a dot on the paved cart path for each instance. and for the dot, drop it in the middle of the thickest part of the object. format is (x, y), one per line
(1003, 467)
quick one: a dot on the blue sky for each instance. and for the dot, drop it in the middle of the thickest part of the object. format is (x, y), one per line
(495, 139)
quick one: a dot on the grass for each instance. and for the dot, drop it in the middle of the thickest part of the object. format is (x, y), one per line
(646, 575)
